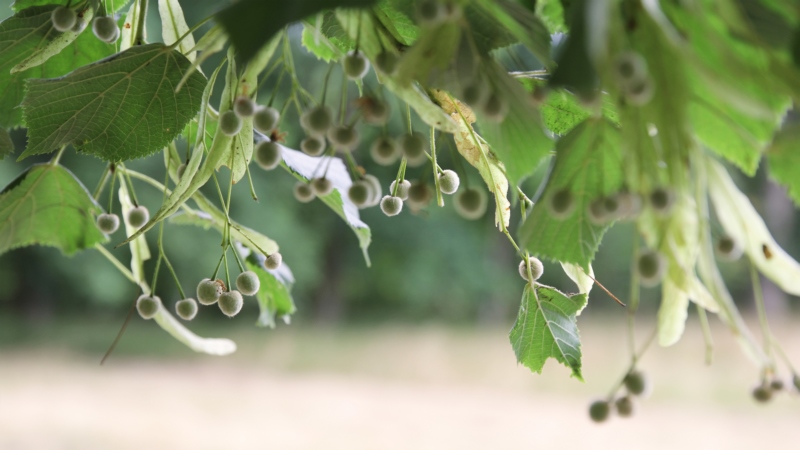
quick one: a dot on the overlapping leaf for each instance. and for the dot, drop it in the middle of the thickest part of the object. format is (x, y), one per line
(274, 297)
(546, 327)
(120, 108)
(784, 160)
(588, 164)
(47, 205)
(6, 145)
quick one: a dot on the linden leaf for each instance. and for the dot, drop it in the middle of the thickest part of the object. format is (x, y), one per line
(47, 205)
(120, 108)
(546, 327)
(274, 298)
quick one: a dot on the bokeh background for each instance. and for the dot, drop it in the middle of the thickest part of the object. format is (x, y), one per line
(410, 353)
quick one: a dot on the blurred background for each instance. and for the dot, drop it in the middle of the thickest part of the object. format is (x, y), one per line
(410, 353)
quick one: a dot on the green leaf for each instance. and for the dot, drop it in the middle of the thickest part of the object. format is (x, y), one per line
(274, 297)
(784, 160)
(47, 205)
(552, 15)
(305, 167)
(587, 163)
(397, 23)
(546, 327)
(6, 144)
(52, 43)
(324, 37)
(251, 23)
(121, 108)
(111, 5)
(522, 24)
(26, 33)
(575, 70)
(561, 112)
(319, 44)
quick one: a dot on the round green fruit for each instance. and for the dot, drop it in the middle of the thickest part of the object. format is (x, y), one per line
(313, 145)
(651, 267)
(186, 309)
(208, 291)
(321, 186)
(599, 411)
(105, 28)
(386, 62)
(448, 182)
(762, 393)
(414, 149)
(355, 65)
(537, 269)
(147, 306)
(385, 151)
(343, 137)
(63, 19)
(318, 120)
(265, 119)
(268, 155)
(303, 192)
(359, 193)
(471, 203)
(624, 406)
(273, 261)
(229, 123)
(561, 203)
(391, 206)
(230, 303)
(402, 190)
(635, 382)
(108, 223)
(138, 216)
(248, 283)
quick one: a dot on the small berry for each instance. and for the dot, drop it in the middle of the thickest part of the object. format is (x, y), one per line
(661, 200)
(63, 19)
(776, 384)
(762, 393)
(230, 303)
(303, 192)
(391, 206)
(597, 212)
(611, 206)
(321, 186)
(630, 205)
(639, 92)
(376, 189)
(266, 119)
(313, 145)
(728, 249)
(448, 182)
(630, 66)
(402, 191)
(537, 269)
(561, 203)
(495, 108)
(105, 28)
(359, 193)
(386, 62)
(138, 216)
(229, 123)
(208, 291)
(430, 12)
(651, 267)
(475, 94)
(268, 155)
(624, 406)
(186, 308)
(471, 203)
(343, 137)
(248, 283)
(181, 170)
(376, 112)
(108, 223)
(318, 119)
(635, 382)
(273, 261)
(385, 151)
(414, 148)
(599, 411)
(355, 65)
(243, 106)
(419, 194)
(148, 306)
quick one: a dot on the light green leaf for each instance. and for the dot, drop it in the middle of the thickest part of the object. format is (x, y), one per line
(546, 327)
(397, 23)
(130, 28)
(173, 26)
(140, 251)
(6, 145)
(118, 109)
(584, 281)
(743, 223)
(274, 298)
(52, 43)
(672, 313)
(551, 12)
(324, 37)
(47, 205)
(26, 33)
(784, 160)
(588, 163)
(305, 167)
(318, 44)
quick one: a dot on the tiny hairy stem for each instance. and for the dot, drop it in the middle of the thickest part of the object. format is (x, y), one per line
(707, 337)
(55, 160)
(101, 184)
(439, 199)
(762, 313)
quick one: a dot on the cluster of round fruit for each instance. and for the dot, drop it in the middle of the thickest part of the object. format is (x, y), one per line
(136, 218)
(209, 292)
(66, 19)
(635, 384)
(765, 390)
(623, 205)
(633, 78)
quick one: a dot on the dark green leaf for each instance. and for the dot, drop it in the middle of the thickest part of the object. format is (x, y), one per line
(588, 163)
(24, 34)
(546, 327)
(783, 156)
(575, 70)
(121, 108)
(6, 145)
(274, 297)
(522, 24)
(47, 205)
(251, 23)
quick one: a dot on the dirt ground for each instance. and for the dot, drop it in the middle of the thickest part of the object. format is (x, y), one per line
(389, 387)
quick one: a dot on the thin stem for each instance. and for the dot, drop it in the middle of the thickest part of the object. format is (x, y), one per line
(707, 337)
(439, 199)
(401, 174)
(57, 157)
(101, 184)
(762, 312)
(635, 292)
(123, 270)
(140, 26)
(121, 331)
(634, 360)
